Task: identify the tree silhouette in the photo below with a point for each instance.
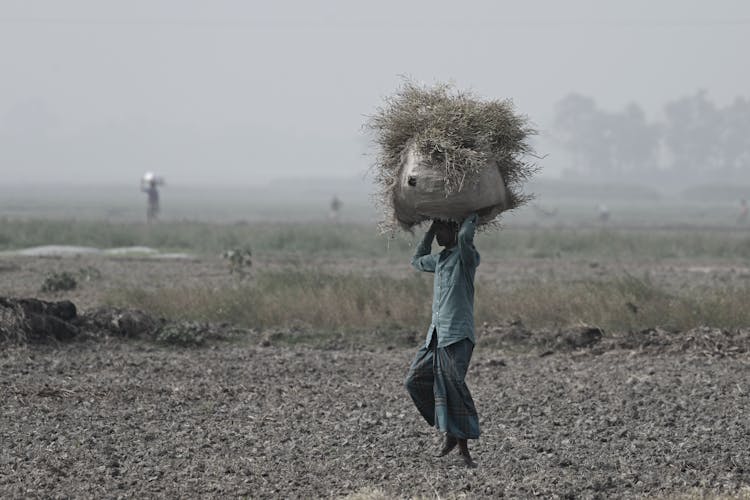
(691, 133)
(702, 140)
(582, 132)
(734, 136)
(616, 144)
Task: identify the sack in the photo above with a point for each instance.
(421, 194)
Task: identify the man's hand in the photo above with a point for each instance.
(473, 217)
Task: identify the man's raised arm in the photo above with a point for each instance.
(423, 260)
(466, 240)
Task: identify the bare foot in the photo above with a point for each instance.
(463, 450)
(450, 443)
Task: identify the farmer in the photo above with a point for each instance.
(742, 215)
(436, 377)
(603, 213)
(149, 186)
(335, 208)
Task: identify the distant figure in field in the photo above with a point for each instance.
(435, 380)
(544, 212)
(603, 213)
(149, 184)
(743, 215)
(335, 208)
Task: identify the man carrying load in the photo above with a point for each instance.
(447, 155)
(436, 377)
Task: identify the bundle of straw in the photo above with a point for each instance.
(458, 136)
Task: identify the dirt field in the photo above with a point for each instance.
(109, 419)
(648, 413)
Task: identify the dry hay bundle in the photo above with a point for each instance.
(444, 154)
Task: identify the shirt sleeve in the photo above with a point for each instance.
(423, 260)
(468, 254)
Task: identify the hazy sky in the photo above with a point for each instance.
(97, 91)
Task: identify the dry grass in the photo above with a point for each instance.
(620, 304)
(701, 494)
(457, 132)
(294, 298)
(326, 302)
(367, 494)
(379, 494)
(12, 324)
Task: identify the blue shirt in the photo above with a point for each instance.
(453, 289)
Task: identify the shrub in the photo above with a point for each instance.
(57, 282)
(183, 334)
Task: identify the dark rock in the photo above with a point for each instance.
(38, 320)
(43, 326)
(130, 323)
(64, 309)
(496, 362)
(584, 336)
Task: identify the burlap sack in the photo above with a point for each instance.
(421, 193)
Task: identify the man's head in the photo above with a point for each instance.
(446, 233)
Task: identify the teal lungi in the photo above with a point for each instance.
(436, 384)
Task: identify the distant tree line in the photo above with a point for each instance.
(696, 139)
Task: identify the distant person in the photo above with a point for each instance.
(435, 380)
(544, 212)
(743, 215)
(604, 214)
(335, 208)
(149, 184)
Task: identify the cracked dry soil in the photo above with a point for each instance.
(118, 418)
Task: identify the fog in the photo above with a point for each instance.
(245, 93)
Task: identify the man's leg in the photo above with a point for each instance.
(420, 380)
(454, 406)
